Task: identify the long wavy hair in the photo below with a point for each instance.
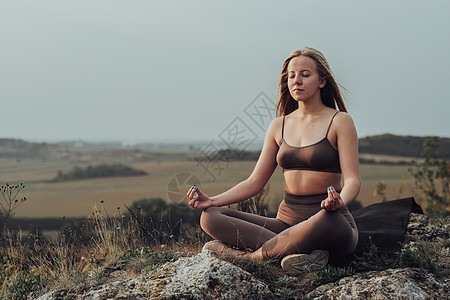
(330, 93)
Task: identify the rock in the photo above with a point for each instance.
(202, 276)
(426, 229)
(404, 283)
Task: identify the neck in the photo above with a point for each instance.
(311, 107)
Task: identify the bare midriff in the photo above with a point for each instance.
(304, 183)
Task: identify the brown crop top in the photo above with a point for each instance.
(320, 156)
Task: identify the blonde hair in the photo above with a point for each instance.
(330, 93)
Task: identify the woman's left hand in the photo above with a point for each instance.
(333, 202)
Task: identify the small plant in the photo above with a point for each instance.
(285, 283)
(371, 260)
(22, 285)
(332, 273)
(284, 293)
(380, 190)
(416, 257)
(9, 203)
(432, 177)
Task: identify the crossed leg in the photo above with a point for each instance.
(272, 238)
(240, 229)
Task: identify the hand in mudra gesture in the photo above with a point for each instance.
(333, 201)
(197, 199)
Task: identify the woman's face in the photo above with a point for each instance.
(304, 81)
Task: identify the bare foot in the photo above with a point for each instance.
(222, 249)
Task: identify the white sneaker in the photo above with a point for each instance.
(296, 264)
(205, 246)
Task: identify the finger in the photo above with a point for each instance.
(196, 191)
(333, 205)
(327, 204)
(191, 192)
(191, 188)
(334, 192)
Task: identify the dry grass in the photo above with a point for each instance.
(80, 258)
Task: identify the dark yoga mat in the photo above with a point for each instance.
(384, 224)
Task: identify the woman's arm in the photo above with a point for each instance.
(347, 144)
(262, 172)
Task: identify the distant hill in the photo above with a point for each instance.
(397, 145)
(14, 148)
(86, 153)
(386, 144)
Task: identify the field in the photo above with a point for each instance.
(166, 179)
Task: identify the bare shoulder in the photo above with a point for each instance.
(276, 124)
(274, 130)
(277, 121)
(343, 126)
(344, 119)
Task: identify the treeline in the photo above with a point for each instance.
(100, 171)
(409, 146)
(228, 155)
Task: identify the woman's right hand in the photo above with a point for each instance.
(197, 199)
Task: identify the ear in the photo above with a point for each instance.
(322, 83)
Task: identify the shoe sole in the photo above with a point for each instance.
(296, 264)
(205, 245)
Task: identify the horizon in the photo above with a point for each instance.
(255, 145)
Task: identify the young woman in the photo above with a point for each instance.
(316, 145)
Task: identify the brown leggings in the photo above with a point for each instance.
(301, 226)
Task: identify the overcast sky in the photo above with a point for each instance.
(149, 70)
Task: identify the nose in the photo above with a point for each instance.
(297, 79)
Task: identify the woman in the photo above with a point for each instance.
(315, 144)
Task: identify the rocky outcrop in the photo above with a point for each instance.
(388, 284)
(202, 276)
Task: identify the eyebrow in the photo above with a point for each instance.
(306, 70)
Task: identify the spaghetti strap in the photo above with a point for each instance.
(282, 128)
(329, 126)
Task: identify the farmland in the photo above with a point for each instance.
(165, 179)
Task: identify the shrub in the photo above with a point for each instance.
(78, 232)
(162, 223)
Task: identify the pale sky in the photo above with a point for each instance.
(150, 70)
